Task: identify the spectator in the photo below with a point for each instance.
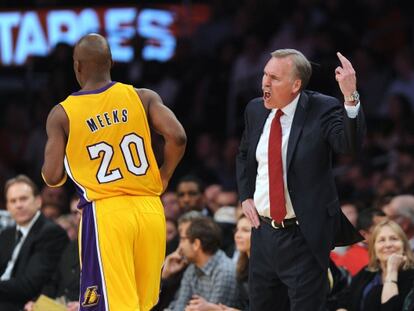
(51, 211)
(30, 250)
(173, 268)
(242, 241)
(64, 285)
(388, 277)
(190, 195)
(210, 276)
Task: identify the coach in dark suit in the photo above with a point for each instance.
(286, 183)
(29, 251)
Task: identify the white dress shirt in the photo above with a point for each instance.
(261, 194)
(25, 231)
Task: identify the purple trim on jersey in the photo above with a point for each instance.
(91, 278)
(82, 201)
(97, 91)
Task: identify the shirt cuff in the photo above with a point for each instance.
(352, 111)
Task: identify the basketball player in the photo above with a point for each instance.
(101, 137)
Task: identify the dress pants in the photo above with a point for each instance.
(283, 272)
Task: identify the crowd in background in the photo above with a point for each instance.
(208, 83)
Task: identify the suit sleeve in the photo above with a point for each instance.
(344, 134)
(241, 162)
(44, 256)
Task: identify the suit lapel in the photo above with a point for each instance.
(6, 247)
(297, 125)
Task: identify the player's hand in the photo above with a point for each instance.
(346, 76)
(173, 263)
(249, 210)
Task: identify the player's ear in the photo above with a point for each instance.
(76, 66)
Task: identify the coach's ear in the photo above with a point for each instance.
(297, 84)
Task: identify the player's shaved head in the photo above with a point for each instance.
(93, 49)
(92, 56)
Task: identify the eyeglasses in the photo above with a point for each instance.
(184, 238)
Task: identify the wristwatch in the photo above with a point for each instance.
(354, 97)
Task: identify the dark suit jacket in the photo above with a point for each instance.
(36, 263)
(65, 281)
(320, 127)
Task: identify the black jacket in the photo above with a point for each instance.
(35, 265)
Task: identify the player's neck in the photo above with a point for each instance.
(96, 84)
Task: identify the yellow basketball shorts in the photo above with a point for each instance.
(122, 249)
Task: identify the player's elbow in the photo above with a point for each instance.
(180, 139)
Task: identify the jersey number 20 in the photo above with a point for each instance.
(106, 151)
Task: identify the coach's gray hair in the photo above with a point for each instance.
(302, 67)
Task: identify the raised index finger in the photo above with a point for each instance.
(344, 61)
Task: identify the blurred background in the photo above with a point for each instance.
(205, 59)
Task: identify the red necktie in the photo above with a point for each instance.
(276, 187)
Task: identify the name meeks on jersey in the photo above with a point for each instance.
(107, 119)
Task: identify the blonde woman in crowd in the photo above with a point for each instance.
(389, 275)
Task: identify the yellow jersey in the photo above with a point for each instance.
(108, 152)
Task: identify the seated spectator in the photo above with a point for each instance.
(356, 256)
(190, 193)
(64, 285)
(242, 241)
(210, 274)
(174, 266)
(30, 250)
(51, 211)
(389, 276)
(70, 224)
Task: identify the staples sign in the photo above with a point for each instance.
(26, 33)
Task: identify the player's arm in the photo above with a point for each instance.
(164, 122)
(57, 131)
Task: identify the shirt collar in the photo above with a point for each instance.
(289, 109)
(211, 263)
(25, 229)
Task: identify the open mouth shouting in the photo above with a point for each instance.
(266, 95)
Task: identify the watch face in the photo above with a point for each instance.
(355, 96)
